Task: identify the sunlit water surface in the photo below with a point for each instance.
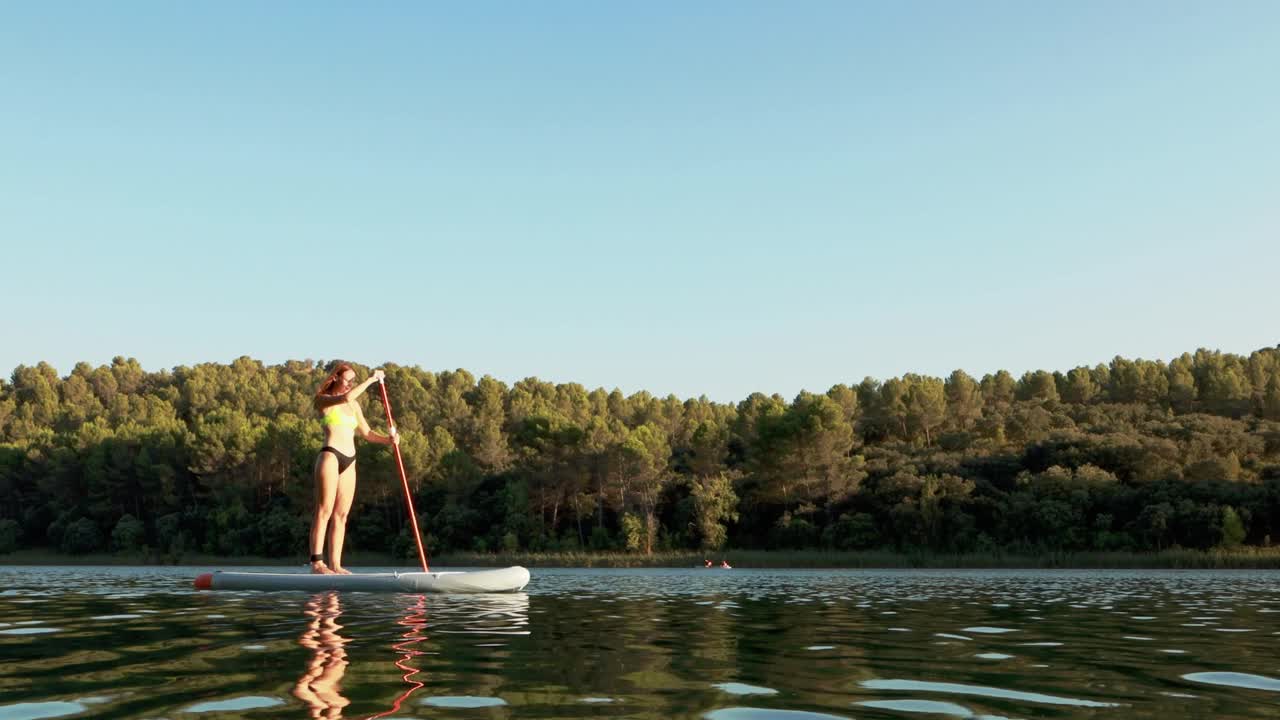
(724, 645)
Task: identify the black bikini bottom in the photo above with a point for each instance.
(344, 460)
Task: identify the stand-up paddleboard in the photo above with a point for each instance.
(481, 581)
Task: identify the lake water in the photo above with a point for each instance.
(724, 645)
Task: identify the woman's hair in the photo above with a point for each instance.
(335, 378)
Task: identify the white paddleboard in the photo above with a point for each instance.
(481, 581)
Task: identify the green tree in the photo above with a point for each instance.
(1221, 382)
(926, 405)
(487, 418)
(1182, 384)
(998, 389)
(1080, 388)
(715, 504)
(892, 406)
(1233, 531)
(847, 398)
(1271, 398)
(802, 455)
(1039, 386)
(964, 399)
(645, 457)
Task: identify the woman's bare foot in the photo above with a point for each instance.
(339, 570)
(319, 568)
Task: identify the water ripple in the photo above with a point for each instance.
(1235, 679)
(138, 643)
(746, 713)
(958, 689)
(734, 688)
(37, 710)
(932, 707)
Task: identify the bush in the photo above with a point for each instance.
(600, 539)
(167, 529)
(282, 533)
(404, 546)
(1233, 531)
(178, 546)
(128, 534)
(853, 531)
(955, 441)
(633, 532)
(81, 537)
(794, 533)
(9, 534)
(56, 530)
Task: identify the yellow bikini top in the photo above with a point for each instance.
(334, 416)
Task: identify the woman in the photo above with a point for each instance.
(335, 471)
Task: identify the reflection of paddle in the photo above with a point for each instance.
(404, 480)
(416, 621)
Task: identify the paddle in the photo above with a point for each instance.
(404, 480)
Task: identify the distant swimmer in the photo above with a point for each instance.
(724, 565)
(707, 563)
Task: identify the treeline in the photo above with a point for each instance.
(1130, 456)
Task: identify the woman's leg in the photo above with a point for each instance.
(326, 492)
(341, 507)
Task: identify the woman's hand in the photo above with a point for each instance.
(378, 375)
(395, 435)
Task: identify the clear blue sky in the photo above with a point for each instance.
(689, 198)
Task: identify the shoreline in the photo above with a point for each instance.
(1245, 558)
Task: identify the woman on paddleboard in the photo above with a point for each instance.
(335, 470)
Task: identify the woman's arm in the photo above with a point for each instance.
(367, 432)
(325, 401)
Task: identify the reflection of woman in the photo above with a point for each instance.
(319, 687)
(335, 467)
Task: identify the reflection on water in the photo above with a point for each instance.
(31, 711)
(463, 702)
(235, 705)
(739, 645)
(320, 687)
(931, 707)
(413, 624)
(1235, 679)
(746, 713)
(744, 689)
(957, 689)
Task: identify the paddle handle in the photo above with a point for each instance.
(404, 479)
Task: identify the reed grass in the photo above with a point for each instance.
(1241, 558)
(1179, 559)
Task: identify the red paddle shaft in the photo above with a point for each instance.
(404, 480)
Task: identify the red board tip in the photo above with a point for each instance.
(204, 582)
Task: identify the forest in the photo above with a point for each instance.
(1132, 455)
